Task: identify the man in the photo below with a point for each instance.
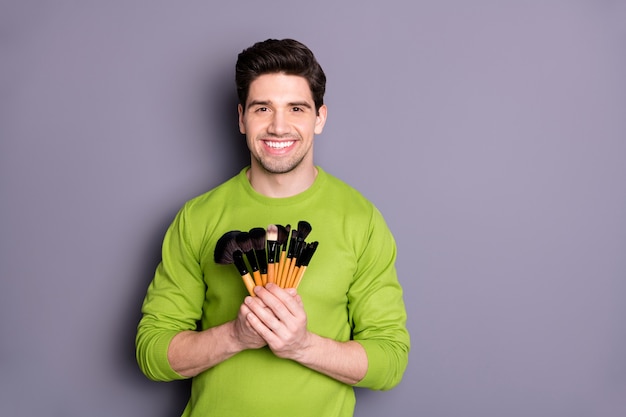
(281, 352)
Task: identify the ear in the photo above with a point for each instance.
(320, 121)
(242, 127)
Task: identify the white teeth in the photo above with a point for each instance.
(279, 145)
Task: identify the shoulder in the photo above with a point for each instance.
(338, 186)
(340, 191)
(220, 194)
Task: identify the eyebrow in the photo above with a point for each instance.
(290, 104)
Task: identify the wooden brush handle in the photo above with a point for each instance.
(270, 272)
(249, 283)
(292, 277)
(257, 277)
(289, 273)
(299, 276)
(285, 274)
(281, 267)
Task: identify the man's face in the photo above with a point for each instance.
(280, 121)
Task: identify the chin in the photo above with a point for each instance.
(279, 168)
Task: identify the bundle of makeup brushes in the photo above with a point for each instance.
(277, 254)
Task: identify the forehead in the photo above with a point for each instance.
(280, 88)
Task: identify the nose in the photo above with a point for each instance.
(278, 125)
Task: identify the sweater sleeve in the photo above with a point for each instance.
(173, 302)
(377, 310)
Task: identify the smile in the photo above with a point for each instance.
(279, 145)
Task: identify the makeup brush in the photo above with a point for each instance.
(283, 240)
(257, 237)
(295, 265)
(290, 250)
(281, 250)
(307, 254)
(272, 249)
(243, 271)
(225, 247)
(304, 228)
(245, 243)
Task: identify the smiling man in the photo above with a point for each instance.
(277, 351)
(280, 120)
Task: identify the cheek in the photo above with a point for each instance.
(252, 127)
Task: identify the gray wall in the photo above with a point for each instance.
(492, 135)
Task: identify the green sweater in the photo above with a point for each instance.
(350, 291)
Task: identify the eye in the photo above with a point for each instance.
(261, 109)
(297, 109)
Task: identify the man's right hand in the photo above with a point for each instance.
(244, 332)
(192, 352)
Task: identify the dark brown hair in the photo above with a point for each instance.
(279, 56)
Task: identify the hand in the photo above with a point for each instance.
(244, 333)
(278, 316)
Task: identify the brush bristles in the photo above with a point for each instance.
(272, 232)
(308, 253)
(225, 247)
(262, 249)
(283, 234)
(272, 245)
(244, 241)
(292, 243)
(304, 228)
(257, 236)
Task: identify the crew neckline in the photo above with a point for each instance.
(281, 201)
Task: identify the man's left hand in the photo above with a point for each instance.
(278, 315)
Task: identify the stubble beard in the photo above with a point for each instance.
(279, 167)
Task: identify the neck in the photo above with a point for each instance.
(281, 185)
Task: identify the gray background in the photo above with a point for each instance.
(491, 134)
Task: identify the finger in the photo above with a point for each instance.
(249, 300)
(283, 337)
(261, 328)
(283, 302)
(246, 333)
(263, 313)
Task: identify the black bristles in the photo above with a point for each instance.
(257, 236)
(292, 243)
(304, 228)
(307, 253)
(283, 235)
(244, 242)
(253, 252)
(225, 247)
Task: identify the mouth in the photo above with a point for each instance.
(279, 144)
